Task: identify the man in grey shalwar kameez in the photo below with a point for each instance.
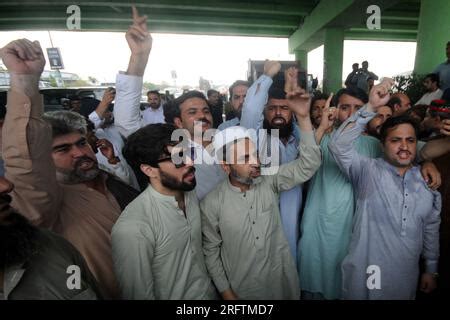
(397, 215)
(246, 251)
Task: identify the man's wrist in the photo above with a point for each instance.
(137, 64)
(304, 123)
(27, 84)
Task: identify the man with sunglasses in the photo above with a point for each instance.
(157, 241)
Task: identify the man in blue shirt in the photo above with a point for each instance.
(397, 215)
(444, 70)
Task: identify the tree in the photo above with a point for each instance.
(411, 85)
(150, 86)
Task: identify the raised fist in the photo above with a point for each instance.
(379, 95)
(23, 57)
(271, 68)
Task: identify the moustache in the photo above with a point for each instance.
(190, 170)
(83, 159)
(203, 120)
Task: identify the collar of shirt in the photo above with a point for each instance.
(159, 110)
(394, 170)
(162, 197)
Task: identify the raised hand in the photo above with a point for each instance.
(138, 38)
(328, 115)
(271, 68)
(290, 79)
(299, 102)
(23, 57)
(379, 95)
(107, 149)
(108, 96)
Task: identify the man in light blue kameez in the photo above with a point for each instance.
(327, 217)
(397, 215)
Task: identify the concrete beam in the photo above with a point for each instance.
(434, 31)
(325, 12)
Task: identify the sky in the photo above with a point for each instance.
(220, 59)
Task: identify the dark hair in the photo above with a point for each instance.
(276, 92)
(238, 83)
(153, 92)
(172, 108)
(210, 92)
(355, 64)
(320, 96)
(146, 146)
(434, 77)
(393, 101)
(352, 91)
(395, 121)
(419, 109)
(365, 61)
(65, 122)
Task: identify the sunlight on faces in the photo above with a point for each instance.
(317, 110)
(242, 163)
(194, 111)
(400, 145)
(347, 105)
(74, 159)
(374, 125)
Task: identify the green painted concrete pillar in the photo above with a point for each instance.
(433, 35)
(333, 55)
(302, 57)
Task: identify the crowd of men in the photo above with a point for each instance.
(293, 197)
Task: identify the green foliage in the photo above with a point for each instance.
(53, 82)
(150, 86)
(78, 83)
(410, 85)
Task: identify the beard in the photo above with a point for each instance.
(172, 183)
(247, 181)
(285, 129)
(18, 238)
(78, 175)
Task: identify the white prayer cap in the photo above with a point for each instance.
(230, 134)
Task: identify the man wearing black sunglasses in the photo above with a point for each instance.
(157, 242)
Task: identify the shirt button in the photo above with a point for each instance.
(257, 238)
(406, 206)
(253, 222)
(404, 219)
(406, 195)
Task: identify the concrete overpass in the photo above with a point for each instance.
(307, 23)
